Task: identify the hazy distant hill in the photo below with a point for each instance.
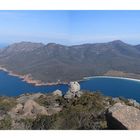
(53, 62)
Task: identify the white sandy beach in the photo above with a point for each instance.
(115, 77)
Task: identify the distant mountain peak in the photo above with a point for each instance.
(51, 44)
(23, 46)
(27, 43)
(55, 62)
(118, 42)
(54, 45)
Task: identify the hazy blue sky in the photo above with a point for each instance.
(69, 27)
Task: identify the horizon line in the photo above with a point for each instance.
(9, 44)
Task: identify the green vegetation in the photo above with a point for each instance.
(86, 112)
(27, 123)
(45, 101)
(5, 124)
(44, 122)
(7, 103)
(42, 101)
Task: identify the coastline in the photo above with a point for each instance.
(116, 77)
(29, 79)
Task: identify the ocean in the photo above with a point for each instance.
(14, 86)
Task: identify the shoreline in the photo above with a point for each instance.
(113, 77)
(29, 79)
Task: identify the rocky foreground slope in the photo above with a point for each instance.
(74, 110)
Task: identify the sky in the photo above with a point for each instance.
(69, 27)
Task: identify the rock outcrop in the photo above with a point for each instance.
(121, 116)
(57, 93)
(24, 97)
(31, 108)
(74, 87)
(89, 110)
(134, 103)
(18, 109)
(74, 90)
(28, 109)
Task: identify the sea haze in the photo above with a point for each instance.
(3, 45)
(13, 86)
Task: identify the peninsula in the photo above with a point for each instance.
(51, 64)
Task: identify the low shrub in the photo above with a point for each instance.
(7, 103)
(86, 112)
(6, 123)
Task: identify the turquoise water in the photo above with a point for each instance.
(13, 86)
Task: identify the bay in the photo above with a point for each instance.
(14, 86)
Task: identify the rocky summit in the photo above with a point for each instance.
(73, 110)
(74, 90)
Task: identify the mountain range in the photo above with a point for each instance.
(53, 63)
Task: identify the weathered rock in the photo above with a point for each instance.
(134, 102)
(116, 99)
(31, 108)
(24, 97)
(74, 90)
(79, 93)
(74, 87)
(18, 108)
(16, 111)
(69, 95)
(121, 116)
(57, 93)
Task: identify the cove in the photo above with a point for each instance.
(115, 87)
(14, 86)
